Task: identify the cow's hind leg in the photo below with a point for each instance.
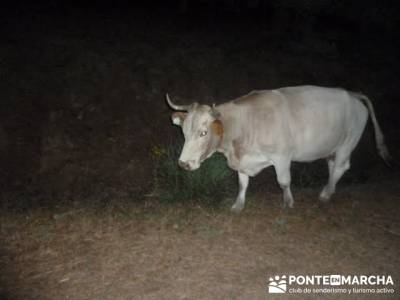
(241, 197)
(282, 168)
(341, 161)
(337, 167)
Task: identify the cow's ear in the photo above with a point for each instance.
(217, 127)
(178, 118)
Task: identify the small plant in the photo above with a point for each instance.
(210, 183)
(280, 223)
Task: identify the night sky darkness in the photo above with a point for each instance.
(82, 85)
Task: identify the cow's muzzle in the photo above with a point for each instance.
(189, 165)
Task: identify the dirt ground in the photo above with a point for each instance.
(153, 251)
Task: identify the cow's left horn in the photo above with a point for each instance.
(214, 112)
(176, 107)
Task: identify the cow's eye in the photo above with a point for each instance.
(203, 133)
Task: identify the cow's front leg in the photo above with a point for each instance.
(282, 168)
(241, 197)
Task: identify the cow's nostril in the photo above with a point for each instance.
(183, 165)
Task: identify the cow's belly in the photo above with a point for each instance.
(251, 164)
(316, 144)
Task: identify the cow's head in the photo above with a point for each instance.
(202, 129)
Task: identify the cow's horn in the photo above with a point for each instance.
(214, 112)
(176, 107)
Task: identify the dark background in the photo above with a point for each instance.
(82, 85)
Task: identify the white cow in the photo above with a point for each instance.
(275, 127)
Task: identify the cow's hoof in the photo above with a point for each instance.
(324, 199)
(287, 204)
(324, 196)
(237, 208)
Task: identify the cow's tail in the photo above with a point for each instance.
(379, 137)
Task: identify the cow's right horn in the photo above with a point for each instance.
(176, 107)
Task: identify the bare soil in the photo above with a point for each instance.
(154, 251)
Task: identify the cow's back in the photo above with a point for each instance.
(261, 117)
(320, 119)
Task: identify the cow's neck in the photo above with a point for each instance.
(231, 127)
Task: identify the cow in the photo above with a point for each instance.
(275, 127)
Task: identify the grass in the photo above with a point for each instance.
(209, 184)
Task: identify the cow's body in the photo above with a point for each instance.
(276, 127)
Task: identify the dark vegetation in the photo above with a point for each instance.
(82, 88)
(210, 184)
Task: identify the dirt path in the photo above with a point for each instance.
(127, 251)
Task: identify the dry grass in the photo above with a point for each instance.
(132, 251)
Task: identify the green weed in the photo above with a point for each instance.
(209, 184)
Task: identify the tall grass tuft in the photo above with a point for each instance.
(209, 184)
